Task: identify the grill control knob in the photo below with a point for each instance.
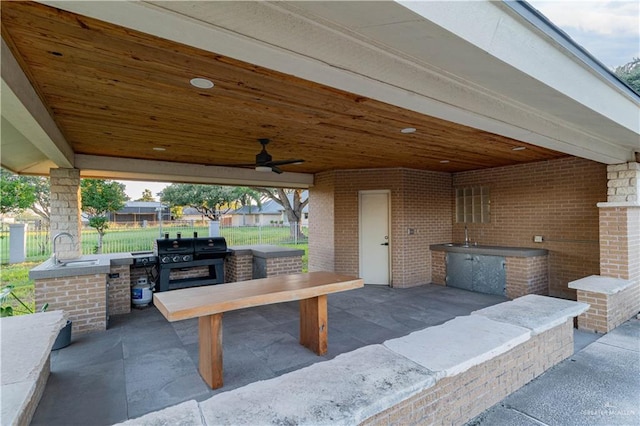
(186, 258)
(165, 259)
(176, 258)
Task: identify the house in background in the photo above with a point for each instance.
(269, 213)
(140, 212)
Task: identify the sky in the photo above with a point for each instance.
(608, 29)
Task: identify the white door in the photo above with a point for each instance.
(374, 237)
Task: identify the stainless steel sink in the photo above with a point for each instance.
(77, 263)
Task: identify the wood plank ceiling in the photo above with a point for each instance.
(121, 93)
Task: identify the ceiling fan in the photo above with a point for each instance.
(264, 161)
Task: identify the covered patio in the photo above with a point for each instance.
(469, 125)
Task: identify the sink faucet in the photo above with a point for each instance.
(55, 253)
(466, 236)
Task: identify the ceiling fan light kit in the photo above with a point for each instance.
(264, 161)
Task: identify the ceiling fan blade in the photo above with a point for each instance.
(234, 165)
(284, 162)
(274, 169)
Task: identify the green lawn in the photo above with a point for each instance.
(18, 276)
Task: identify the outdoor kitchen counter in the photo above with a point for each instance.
(83, 265)
(490, 250)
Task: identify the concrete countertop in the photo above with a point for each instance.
(267, 251)
(101, 265)
(490, 250)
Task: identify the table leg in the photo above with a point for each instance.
(210, 349)
(313, 324)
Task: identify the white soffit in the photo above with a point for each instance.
(92, 166)
(385, 51)
(29, 117)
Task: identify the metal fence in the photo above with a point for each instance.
(132, 237)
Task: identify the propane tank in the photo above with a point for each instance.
(141, 294)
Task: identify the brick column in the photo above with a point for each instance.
(620, 223)
(65, 211)
(619, 247)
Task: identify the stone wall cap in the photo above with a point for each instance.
(343, 391)
(26, 345)
(600, 284)
(240, 251)
(615, 204)
(269, 251)
(186, 413)
(457, 345)
(535, 312)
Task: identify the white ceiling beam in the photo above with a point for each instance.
(92, 166)
(23, 108)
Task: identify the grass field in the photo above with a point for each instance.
(18, 276)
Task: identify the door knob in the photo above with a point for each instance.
(384, 244)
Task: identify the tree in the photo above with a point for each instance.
(209, 200)
(19, 193)
(630, 74)
(16, 195)
(146, 196)
(100, 197)
(291, 201)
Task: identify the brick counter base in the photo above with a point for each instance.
(457, 399)
(612, 301)
(83, 298)
(525, 275)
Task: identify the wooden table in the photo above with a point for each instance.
(210, 302)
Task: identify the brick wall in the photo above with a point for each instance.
(439, 267)
(556, 199)
(457, 399)
(321, 223)
(420, 200)
(65, 211)
(119, 290)
(238, 267)
(284, 265)
(527, 275)
(84, 298)
(620, 242)
(607, 311)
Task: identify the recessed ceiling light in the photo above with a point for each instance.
(159, 148)
(408, 130)
(518, 148)
(201, 83)
(444, 161)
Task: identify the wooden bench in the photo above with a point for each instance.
(210, 302)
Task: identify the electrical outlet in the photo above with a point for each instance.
(537, 238)
(411, 231)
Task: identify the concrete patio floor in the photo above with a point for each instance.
(143, 363)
